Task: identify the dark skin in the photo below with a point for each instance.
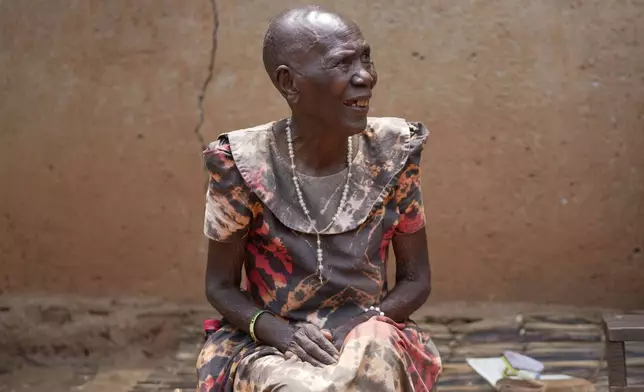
(328, 65)
(326, 69)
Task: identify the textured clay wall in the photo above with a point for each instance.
(533, 175)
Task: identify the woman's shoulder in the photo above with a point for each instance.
(395, 140)
(396, 128)
(222, 151)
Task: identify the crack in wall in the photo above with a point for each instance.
(204, 87)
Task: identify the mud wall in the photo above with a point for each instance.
(533, 175)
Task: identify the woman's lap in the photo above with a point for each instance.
(376, 356)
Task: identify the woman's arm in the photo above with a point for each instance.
(223, 278)
(229, 212)
(409, 241)
(413, 280)
(412, 284)
(413, 276)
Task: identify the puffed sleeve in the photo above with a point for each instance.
(228, 200)
(408, 188)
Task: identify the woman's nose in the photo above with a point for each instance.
(362, 78)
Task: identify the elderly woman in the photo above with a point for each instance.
(308, 207)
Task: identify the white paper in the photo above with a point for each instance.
(491, 369)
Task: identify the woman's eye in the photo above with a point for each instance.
(345, 62)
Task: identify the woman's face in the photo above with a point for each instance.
(335, 79)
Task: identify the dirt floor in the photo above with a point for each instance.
(67, 344)
(136, 345)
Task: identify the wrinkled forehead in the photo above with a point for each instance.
(328, 33)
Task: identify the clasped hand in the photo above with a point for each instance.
(319, 347)
(312, 345)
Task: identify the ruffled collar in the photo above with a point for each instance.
(384, 149)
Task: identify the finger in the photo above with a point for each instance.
(330, 348)
(386, 319)
(324, 351)
(310, 359)
(302, 353)
(313, 350)
(327, 334)
(323, 339)
(336, 341)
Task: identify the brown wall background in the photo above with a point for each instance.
(533, 175)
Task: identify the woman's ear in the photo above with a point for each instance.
(286, 83)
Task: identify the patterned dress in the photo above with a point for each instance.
(251, 193)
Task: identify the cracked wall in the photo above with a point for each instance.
(533, 175)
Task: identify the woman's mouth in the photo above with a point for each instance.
(360, 104)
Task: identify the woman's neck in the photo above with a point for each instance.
(318, 151)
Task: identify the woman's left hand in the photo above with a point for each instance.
(339, 334)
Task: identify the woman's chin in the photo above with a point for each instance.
(355, 126)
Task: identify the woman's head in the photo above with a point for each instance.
(321, 64)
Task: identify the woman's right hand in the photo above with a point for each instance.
(306, 342)
(311, 344)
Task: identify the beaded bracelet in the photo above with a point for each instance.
(376, 309)
(251, 328)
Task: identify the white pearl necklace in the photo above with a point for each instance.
(300, 197)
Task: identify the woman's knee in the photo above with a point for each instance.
(376, 328)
